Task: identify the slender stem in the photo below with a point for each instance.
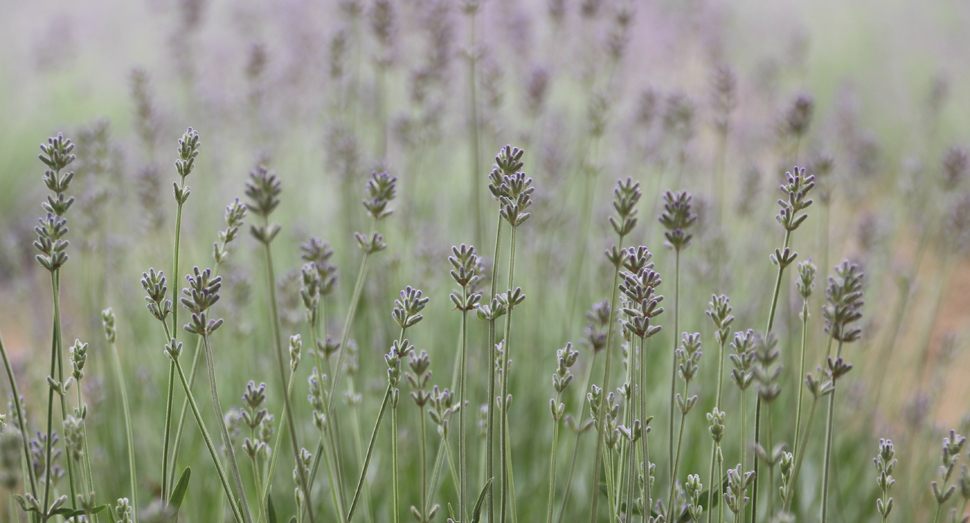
(257, 482)
(370, 451)
(21, 422)
(171, 368)
(345, 335)
(744, 444)
(581, 415)
(715, 480)
(287, 410)
(508, 462)
(829, 429)
(680, 442)
(490, 429)
(673, 371)
(435, 474)
(397, 497)
(58, 368)
(803, 443)
(226, 440)
(423, 452)
(463, 386)
(629, 484)
(451, 466)
(183, 416)
(209, 445)
(552, 465)
(185, 403)
(757, 411)
(280, 430)
(642, 390)
(601, 416)
(506, 356)
(328, 428)
(801, 391)
(129, 432)
(646, 477)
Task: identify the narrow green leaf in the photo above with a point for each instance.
(477, 512)
(270, 510)
(178, 494)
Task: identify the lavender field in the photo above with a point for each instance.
(485, 260)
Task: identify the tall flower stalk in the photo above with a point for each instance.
(188, 150)
(599, 318)
(406, 313)
(418, 379)
(796, 190)
(805, 285)
(200, 295)
(56, 155)
(566, 358)
(515, 197)
(381, 189)
(844, 296)
(688, 356)
(626, 196)
(885, 462)
(507, 162)
(677, 218)
(263, 191)
(464, 262)
(720, 314)
(235, 214)
(643, 306)
(108, 321)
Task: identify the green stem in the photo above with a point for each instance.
(801, 391)
(85, 465)
(183, 416)
(435, 474)
(257, 482)
(673, 371)
(552, 465)
(506, 355)
(185, 403)
(370, 451)
(680, 442)
(643, 417)
(423, 452)
(56, 366)
(209, 445)
(451, 466)
(226, 441)
(601, 417)
(829, 429)
(280, 430)
(715, 480)
(757, 410)
(397, 496)
(581, 415)
(512, 509)
(287, 409)
(462, 395)
(171, 368)
(490, 432)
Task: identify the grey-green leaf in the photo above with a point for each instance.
(181, 487)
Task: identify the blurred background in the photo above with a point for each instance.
(717, 98)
